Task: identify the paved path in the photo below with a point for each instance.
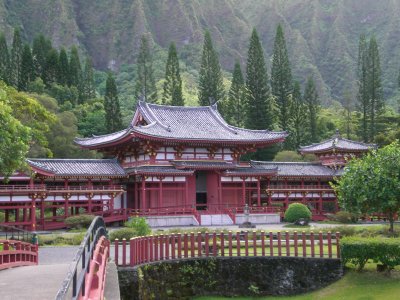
(37, 282)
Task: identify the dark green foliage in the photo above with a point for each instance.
(139, 224)
(79, 221)
(172, 92)
(259, 103)
(362, 95)
(123, 233)
(15, 70)
(344, 217)
(63, 67)
(298, 125)
(211, 88)
(145, 85)
(51, 68)
(75, 73)
(89, 91)
(234, 107)
(358, 251)
(27, 68)
(111, 106)
(41, 46)
(297, 211)
(4, 58)
(281, 79)
(313, 105)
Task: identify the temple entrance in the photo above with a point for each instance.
(201, 190)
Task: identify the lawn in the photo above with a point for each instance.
(366, 285)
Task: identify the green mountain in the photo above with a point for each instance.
(322, 36)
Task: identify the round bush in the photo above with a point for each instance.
(123, 233)
(79, 221)
(297, 211)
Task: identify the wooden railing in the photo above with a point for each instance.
(44, 188)
(14, 253)
(299, 188)
(141, 250)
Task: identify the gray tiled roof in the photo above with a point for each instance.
(337, 142)
(79, 167)
(165, 170)
(202, 123)
(250, 171)
(297, 168)
(203, 164)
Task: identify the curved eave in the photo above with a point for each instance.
(160, 173)
(331, 149)
(121, 139)
(41, 171)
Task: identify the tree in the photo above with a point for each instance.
(298, 124)
(362, 95)
(145, 85)
(234, 109)
(111, 106)
(259, 113)
(89, 90)
(51, 68)
(63, 67)
(16, 60)
(211, 87)
(374, 86)
(281, 79)
(313, 105)
(75, 69)
(4, 58)
(372, 184)
(27, 68)
(172, 92)
(41, 46)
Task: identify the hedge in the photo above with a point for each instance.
(79, 221)
(297, 211)
(358, 250)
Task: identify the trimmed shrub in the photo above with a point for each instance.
(297, 211)
(139, 224)
(123, 233)
(79, 221)
(358, 250)
(344, 217)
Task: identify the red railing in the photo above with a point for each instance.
(42, 187)
(162, 211)
(14, 253)
(141, 250)
(299, 187)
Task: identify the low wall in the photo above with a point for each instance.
(228, 276)
(259, 218)
(169, 221)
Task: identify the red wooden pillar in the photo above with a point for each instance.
(269, 191)
(160, 204)
(33, 214)
(258, 192)
(42, 211)
(243, 191)
(220, 202)
(143, 206)
(187, 191)
(136, 195)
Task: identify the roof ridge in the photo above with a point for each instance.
(100, 136)
(287, 162)
(153, 115)
(73, 159)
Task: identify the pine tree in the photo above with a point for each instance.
(374, 86)
(234, 108)
(75, 69)
(298, 125)
(51, 68)
(27, 68)
(89, 90)
(16, 60)
(259, 103)
(362, 96)
(145, 85)
(312, 102)
(4, 58)
(281, 78)
(172, 93)
(63, 67)
(111, 106)
(211, 88)
(40, 48)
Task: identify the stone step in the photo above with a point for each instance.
(216, 219)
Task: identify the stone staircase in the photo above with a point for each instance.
(215, 220)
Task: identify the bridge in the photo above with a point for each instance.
(92, 272)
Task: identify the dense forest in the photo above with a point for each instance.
(53, 92)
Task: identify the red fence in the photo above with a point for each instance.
(140, 250)
(15, 253)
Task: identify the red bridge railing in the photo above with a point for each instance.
(141, 250)
(14, 253)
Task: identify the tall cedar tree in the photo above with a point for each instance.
(4, 58)
(51, 68)
(374, 86)
(89, 90)
(362, 96)
(211, 88)
(27, 68)
(111, 106)
(75, 73)
(298, 126)
(234, 108)
(172, 93)
(281, 79)
(312, 102)
(259, 108)
(16, 60)
(145, 83)
(40, 48)
(63, 67)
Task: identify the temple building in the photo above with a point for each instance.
(176, 166)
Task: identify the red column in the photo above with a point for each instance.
(143, 206)
(136, 193)
(160, 204)
(258, 192)
(220, 202)
(33, 214)
(187, 191)
(243, 191)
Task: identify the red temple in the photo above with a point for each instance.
(176, 166)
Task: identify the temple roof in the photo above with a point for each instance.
(251, 171)
(77, 167)
(157, 170)
(203, 164)
(202, 124)
(297, 169)
(337, 143)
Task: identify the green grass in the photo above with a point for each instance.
(366, 285)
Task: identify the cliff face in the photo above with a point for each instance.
(322, 36)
